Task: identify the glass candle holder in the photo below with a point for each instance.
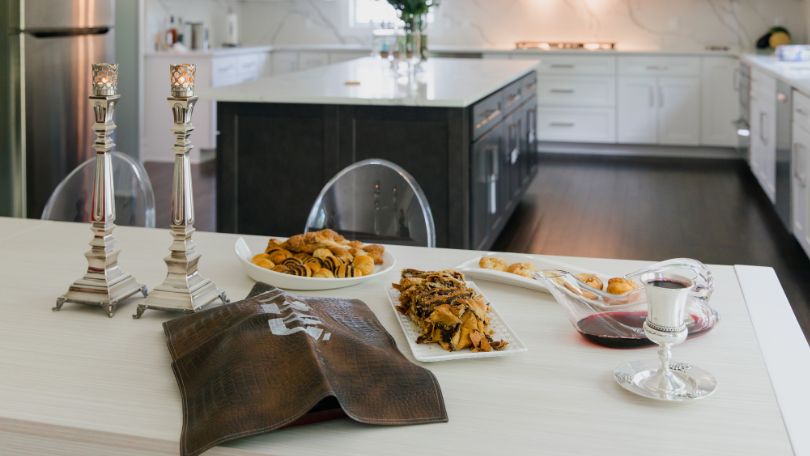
(182, 77)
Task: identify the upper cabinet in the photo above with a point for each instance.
(720, 103)
(659, 100)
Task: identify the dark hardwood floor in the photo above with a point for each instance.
(204, 186)
(618, 207)
(654, 209)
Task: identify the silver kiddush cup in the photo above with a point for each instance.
(667, 298)
(104, 284)
(184, 289)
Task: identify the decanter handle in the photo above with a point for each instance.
(694, 269)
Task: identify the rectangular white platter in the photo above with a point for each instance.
(433, 352)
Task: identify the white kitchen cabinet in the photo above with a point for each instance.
(800, 195)
(678, 111)
(720, 103)
(214, 69)
(637, 110)
(762, 158)
(284, 61)
(659, 100)
(582, 125)
(576, 98)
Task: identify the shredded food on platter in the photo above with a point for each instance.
(447, 311)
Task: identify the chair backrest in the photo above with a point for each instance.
(71, 201)
(374, 200)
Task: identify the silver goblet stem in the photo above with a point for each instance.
(184, 289)
(104, 284)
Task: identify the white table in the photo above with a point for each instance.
(78, 383)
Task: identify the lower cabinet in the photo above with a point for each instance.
(762, 150)
(637, 110)
(679, 111)
(486, 186)
(659, 110)
(800, 194)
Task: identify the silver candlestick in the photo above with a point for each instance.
(104, 284)
(667, 299)
(184, 289)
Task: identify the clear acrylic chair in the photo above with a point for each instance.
(374, 200)
(71, 201)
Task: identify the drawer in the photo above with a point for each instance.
(579, 64)
(517, 92)
(801, 110)
(584, 91)
(486, 114)
(226, 71)
(576, 124)
(659, 66)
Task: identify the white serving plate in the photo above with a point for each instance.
(433, 352)
(470, 268)
(291, 282)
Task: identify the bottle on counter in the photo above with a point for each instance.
(231, 29)
(171, 33)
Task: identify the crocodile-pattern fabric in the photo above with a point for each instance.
(264, 362)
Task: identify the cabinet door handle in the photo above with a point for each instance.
(762, 117)
(561, 90)
(801, 111)
(511, 98)
(561, 65)
(561, 124)
(660, 97)
(493, 182)
(736, 79)
(656, 67)
(489, 115)
(797, 167)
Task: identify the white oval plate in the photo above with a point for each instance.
(434, 352)
(291, 282)
(471, 269)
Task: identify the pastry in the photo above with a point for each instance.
(488, 262)
(620, 286)
(323, 254)
(263, 260)
(364, 264)
(592, 280)
(522, 269)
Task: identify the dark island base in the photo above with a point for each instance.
(273, 160)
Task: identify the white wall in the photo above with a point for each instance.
(210, 12)
(634, 24)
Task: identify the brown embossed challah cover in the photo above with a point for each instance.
(275, 359)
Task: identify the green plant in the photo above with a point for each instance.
(412, 12)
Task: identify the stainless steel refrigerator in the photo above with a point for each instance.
(58, 40)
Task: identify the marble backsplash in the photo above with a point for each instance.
(633, 24)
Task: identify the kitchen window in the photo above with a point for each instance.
(368, 13)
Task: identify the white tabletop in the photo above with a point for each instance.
(78, 383)
(796, 74)
(371, 81)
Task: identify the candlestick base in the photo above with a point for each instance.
(189, 294)
(102, 290)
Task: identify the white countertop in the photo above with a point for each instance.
(211, 52)
(797, 74)
(76, 382)
(371, 81)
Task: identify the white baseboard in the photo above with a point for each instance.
(639, 150)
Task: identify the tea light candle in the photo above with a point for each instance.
(105, 79)
(181, 77)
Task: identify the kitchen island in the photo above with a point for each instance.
(464, 128)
